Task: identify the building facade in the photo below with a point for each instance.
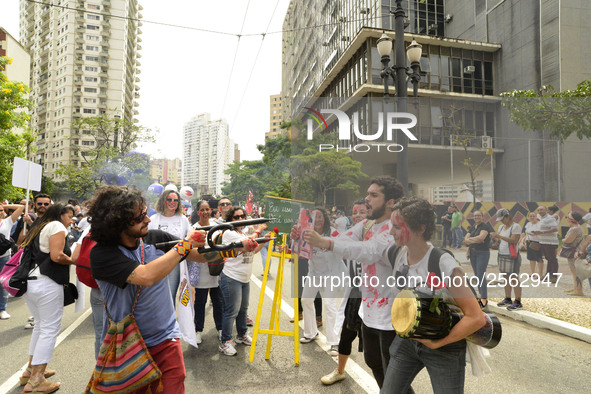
(18, 70)
(207, 152)
(275, 116)
(471, 52)
(165, 171)
(83, 63)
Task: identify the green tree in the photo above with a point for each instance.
(110, 160)
(561, 113)
(13, 115)
(314, 175)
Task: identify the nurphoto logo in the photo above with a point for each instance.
(394, 122)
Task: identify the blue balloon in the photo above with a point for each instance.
(156, 188)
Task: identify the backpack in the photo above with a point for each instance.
(9, 270)
(83, 263)
(31, 254)
(5, 244)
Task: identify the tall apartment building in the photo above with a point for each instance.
(84, 62)
(207, 152)
(275, 116)
(18, 70)
(165, 171)
(471, 52)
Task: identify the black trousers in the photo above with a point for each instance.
(376, 350)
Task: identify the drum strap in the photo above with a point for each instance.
(433, 266)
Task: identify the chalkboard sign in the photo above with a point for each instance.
(286, 212)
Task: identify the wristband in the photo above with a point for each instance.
(228, 253)
(183, 247)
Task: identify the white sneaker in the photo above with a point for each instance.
(246, 339)
(31, 318)
(334, 350)
(333, 377)
(198, 338)
(30, 325)
(4, 315)
(305, 339)
(227, 348)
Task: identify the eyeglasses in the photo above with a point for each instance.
(43, 203)
(239, 217)
(140, 217)
(224, 204)
(172, 199)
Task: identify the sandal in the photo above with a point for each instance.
(24, 380)
(484, 305)
(43, 387)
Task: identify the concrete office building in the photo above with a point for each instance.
(275, 116)
(472, 52)
(83, 63)
(18, 70)
(207, 152)
(165, 170)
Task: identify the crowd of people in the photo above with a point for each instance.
(387, 235)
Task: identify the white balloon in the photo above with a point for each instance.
(170, 186)
(187, 193)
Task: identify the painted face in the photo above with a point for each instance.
(319, 222)
(376, 201)
(204, 210)
(225, 205)
(67, 218)
(359, 213)
(172, 202)
(400, 231)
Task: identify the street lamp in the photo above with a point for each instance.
(400, 73)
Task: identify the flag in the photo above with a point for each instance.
(249, 203)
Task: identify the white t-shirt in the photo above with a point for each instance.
(238, 268)
(49, 230)
(530, 228)
(5, 227)
(548, 223)
(206, 281)
(447, 264)
(177, 225)
(83, 223)
(507, 232)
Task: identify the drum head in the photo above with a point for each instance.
(404, 312)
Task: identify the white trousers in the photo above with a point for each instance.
(45, 299)
(330, 314)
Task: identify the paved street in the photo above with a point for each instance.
(527, 360)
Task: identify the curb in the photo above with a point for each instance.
(540, 321)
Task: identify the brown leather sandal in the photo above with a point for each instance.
(43, 387)
(24, 380)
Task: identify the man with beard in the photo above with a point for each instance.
(376, 331)
(42, 202)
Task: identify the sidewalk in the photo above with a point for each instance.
(544, 306)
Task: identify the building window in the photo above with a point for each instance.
(90, 90)
(92, 27)
(89, 111)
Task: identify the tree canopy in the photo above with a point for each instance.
(111, 160)
(561, 113)
(13, 116)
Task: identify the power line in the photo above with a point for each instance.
(234, 61)
(254, 64)
(365, 18)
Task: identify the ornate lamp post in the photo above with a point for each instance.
(400, 73)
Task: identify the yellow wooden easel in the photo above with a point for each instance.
(276, 309)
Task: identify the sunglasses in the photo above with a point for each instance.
(224, 204)
(172, 199)
(239, 217)
(140, 217)
(43, 203)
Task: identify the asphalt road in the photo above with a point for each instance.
(528, 360)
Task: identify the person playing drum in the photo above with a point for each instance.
(413, 223)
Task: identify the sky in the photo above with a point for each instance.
(185, 72)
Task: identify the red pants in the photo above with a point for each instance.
(168, 355)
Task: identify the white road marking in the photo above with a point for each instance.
(358, 374)
(13, 380)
